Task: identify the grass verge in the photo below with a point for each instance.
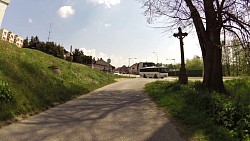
(28, 83)
(206, 116)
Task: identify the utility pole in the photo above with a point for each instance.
(156, 58)
(70, 50)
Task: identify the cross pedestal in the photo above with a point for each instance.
(183, 78)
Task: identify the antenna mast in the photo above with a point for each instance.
(50, 26)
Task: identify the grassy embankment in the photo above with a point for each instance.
(206, 116)
(28, 85)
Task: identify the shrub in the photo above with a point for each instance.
(6, 102)
(5, 93)
(230, 114)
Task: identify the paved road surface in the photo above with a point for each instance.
(118, 112)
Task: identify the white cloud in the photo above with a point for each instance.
(84, 29)
(108, 3)
(66, 11)
(107, 25)
(30, 20)
(116, 61)
(90, 52)
(102, 55)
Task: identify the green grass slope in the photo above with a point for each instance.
(35, 87)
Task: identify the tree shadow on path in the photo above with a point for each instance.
(100, 115)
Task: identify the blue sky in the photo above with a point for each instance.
(115, 29)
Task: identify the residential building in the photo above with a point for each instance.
(134, 69)
(3, 6)
(8, 36)
(102, 65)
(123, 70)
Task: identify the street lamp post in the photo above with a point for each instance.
(129, 65)
(156, 57)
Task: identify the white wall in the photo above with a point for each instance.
(3, 6)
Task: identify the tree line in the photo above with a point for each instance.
(235, 59)
(79, 57)
(47, 47)
(57, 50)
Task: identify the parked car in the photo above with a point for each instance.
(116, 73)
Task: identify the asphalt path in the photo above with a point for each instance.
(117, 112)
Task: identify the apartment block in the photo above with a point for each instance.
(8, 36)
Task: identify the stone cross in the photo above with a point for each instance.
(183, 79)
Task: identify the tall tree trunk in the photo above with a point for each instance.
(213, 76)
(209, 40)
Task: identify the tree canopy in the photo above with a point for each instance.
(209, 18)
(47, 47)
(79, 57)
(233, 15)
(194, 63)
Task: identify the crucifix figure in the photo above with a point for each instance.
(183, 79)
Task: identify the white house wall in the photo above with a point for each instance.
(3, 6)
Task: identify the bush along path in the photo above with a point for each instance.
(207, 116)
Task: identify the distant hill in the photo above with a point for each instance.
(35, 86)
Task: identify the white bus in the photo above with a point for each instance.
(143, 65)
(154, 72)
